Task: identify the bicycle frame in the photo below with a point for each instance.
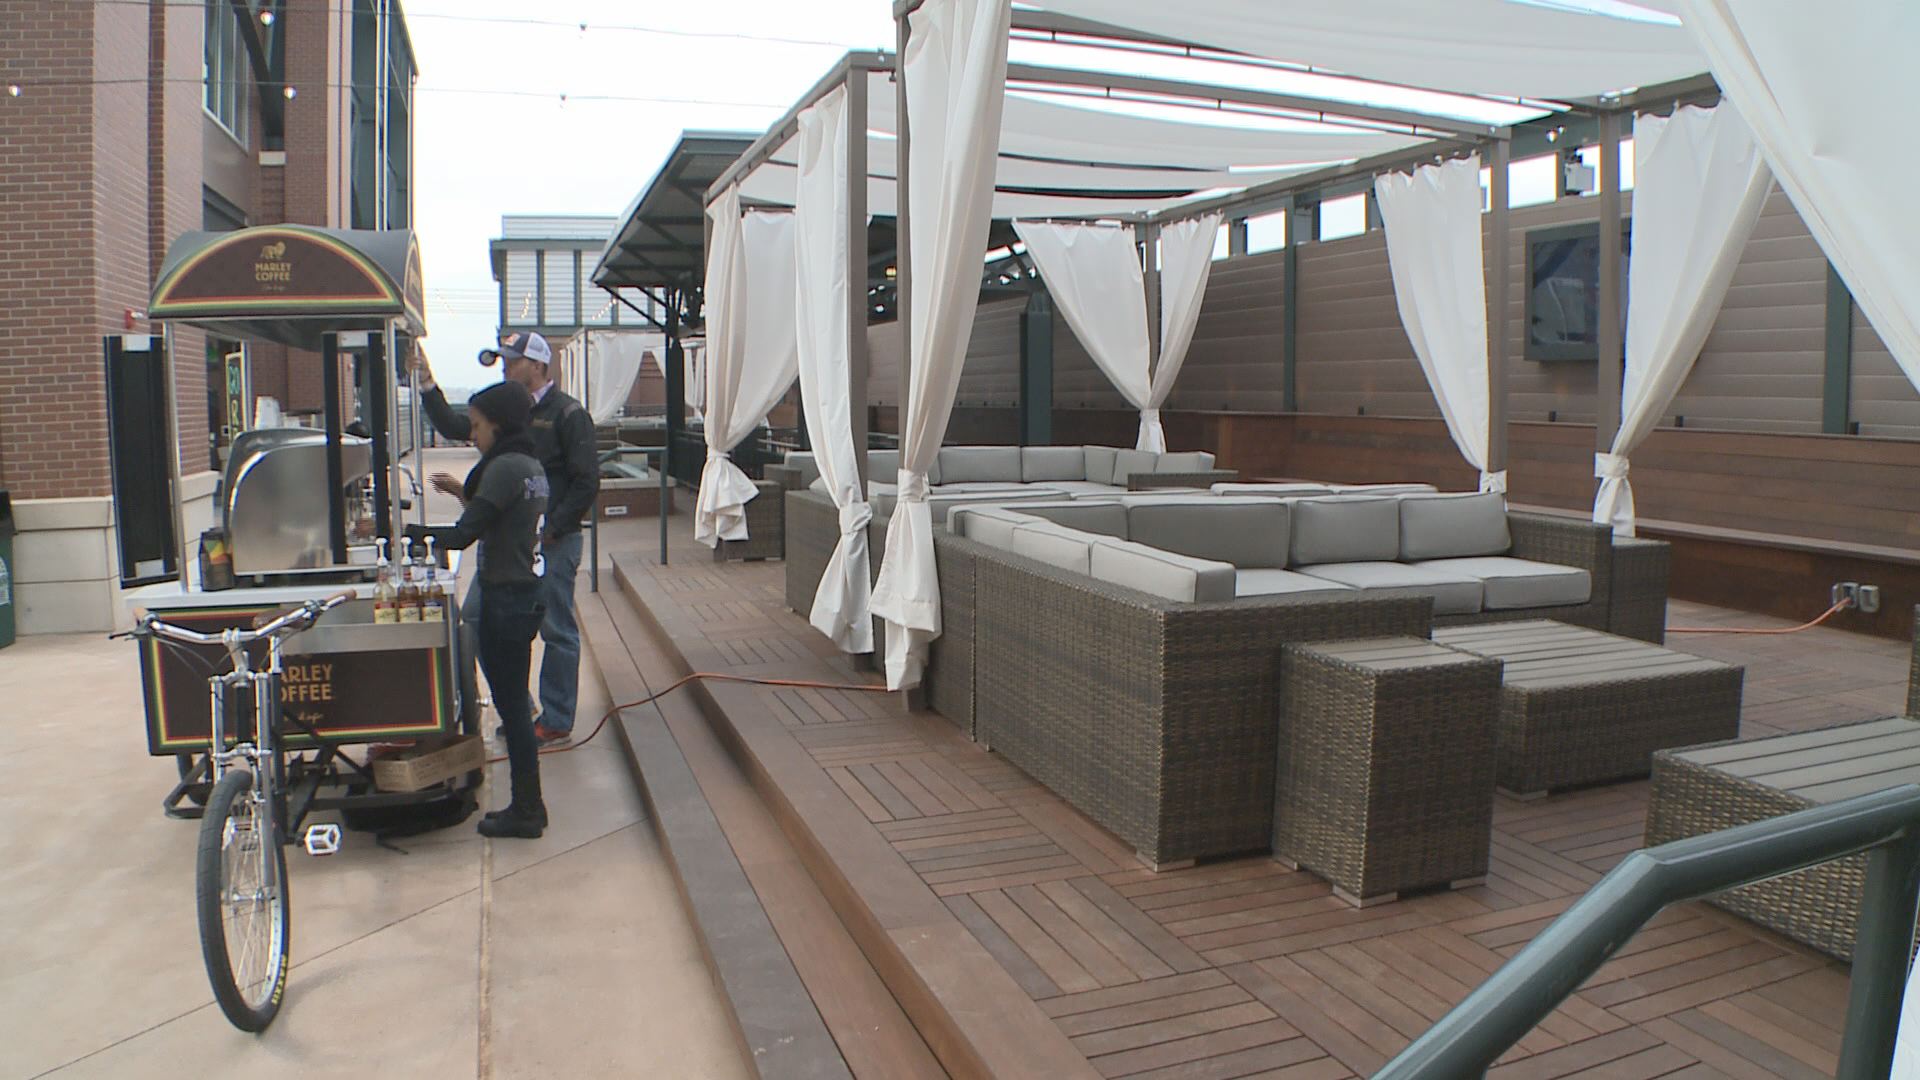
(263, 751)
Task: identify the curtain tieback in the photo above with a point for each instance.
(1610, 466)
(855, 516)
(1150, 416)
(721, 455)
(913, 486)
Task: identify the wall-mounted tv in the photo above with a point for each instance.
(1563, 291)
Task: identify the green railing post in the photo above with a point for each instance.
(1883, 942)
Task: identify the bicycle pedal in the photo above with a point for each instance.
(323, 839)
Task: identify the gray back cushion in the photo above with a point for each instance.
(975, 464)
(1384, 489)
(1273, 490)
(1128, 462)
(1100, 464)
(1162, 573)
(1345, 529)
(989, 525)
(1105, 518)
(1187, 461)
(803, 460)
(1055, 545)
(1249, 533)
(1052, 463)
(884, 465)
(1453, 526)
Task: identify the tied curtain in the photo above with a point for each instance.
(1432, 220)
(752, 352)
(840, 603)
(1094, 273)
(955, 66)
(1699, 185)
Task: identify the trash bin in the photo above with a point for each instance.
(6, 570)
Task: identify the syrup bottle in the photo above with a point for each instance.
(385, 596)
(409, 588)
(433, 597)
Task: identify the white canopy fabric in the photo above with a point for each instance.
(955, 65)
(1432, 220)
(1094, 273)
(1503, 47)
(600, 367)
(840, 603)
(1814, 83)
(1699, 185)
(750, 274)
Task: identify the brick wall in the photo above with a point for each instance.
(174, 195)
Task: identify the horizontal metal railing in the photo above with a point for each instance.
(1467, 1041)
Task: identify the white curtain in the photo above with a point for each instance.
(1094, 273)
(750, 328)
(602, 365)
(840, 603)
(1432, 219)
(694, 353)
(956, 71)
(1817, 84)
(1699, 184)
(1186, 261)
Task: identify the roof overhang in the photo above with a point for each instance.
(660, 242)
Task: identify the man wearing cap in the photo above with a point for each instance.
(562, 431)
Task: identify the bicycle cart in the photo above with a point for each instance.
(302, 678)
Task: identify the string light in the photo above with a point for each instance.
(13, 89)
(266, 18)
(290, 93)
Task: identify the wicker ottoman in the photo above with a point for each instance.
(1385, 780)
(766, 527)
(1703, 789)
(1579, 706)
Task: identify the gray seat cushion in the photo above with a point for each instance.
(1453, 526)
(971, 486)
(1079, 489)
(1453, 593)
(1384, 489)
(976, 464)
(1244, 532)
(1055, 545)
(1128, 462)
(1047, 463)
(1345, 530)
(1099, 464)
(1185, 461)
(1161, 573)
(989, 525)
(1287, 583)
(1511, 584)
(1105, 518)
(1276, 490)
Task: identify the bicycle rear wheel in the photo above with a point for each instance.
(241, 892)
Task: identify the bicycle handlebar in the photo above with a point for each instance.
(297, 616)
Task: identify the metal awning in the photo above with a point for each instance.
(661, 241)
(292, 284)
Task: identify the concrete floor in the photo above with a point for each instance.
(462, 957)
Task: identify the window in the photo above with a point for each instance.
(1343, 217)
(1590, 155)
(1267, 232)
(1563, 290)
(1534, 180)
(1221, 244)
(223, 71)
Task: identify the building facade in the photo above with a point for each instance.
(126, 125)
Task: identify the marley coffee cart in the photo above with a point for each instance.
(301, 511)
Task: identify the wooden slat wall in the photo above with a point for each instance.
(1353, 352)
(1761, 368)
(1078, 383)
(992, 372)
(1237, 347)
(1884, 401)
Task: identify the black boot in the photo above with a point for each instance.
(526, 816)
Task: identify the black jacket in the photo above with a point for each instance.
(562, 433)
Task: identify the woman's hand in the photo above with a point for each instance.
(448, 484)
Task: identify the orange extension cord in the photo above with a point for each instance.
(805, 684)
(1824, 616)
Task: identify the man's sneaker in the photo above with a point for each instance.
(549, 738)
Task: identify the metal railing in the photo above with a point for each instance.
(1509, 1004)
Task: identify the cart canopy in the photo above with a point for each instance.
(292, 284)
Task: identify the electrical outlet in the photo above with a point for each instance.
(1868, 597)
(1846, 592)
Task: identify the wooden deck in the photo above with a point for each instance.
(1023, 940)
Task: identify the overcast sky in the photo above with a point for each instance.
(479, 156)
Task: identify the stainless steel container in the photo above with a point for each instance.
(275, 497)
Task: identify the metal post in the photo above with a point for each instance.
(676, 408)
(1883, 940)
(1836, 395)
(168, 372)
(1236, 237)
(1500, 273)
(1036, 369)
(1611, 333)
(858, 362)
(586, 383)
(1290, 313)
(903, 250)
(378, 421)
(1150, 266)
(336, 469)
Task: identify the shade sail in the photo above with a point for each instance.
(292, 284)
(1517, 48)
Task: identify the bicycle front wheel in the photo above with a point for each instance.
(241, 889)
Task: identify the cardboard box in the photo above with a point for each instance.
(429, 763)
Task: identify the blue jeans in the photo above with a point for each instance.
(509, 616)
(560, 671)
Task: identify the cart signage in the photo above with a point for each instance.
(275, 270)
(356, 696)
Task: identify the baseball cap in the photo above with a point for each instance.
(520, 346)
